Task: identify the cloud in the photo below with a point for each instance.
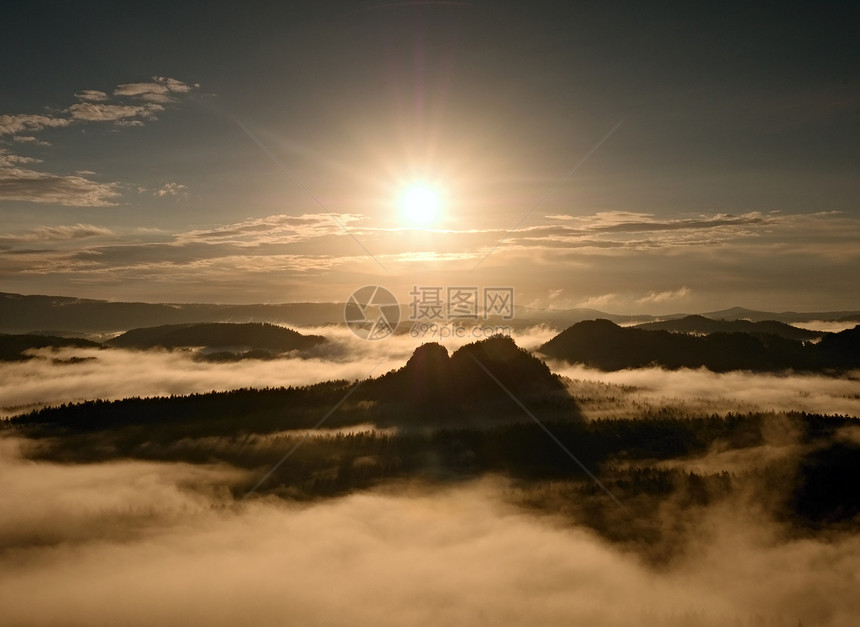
(148, 543)
(276, 229)
(622, 229)
(138, 103)
(9, 160)
(649, 224)
(160, 90)
(600, 301)
(119, 114)
(58, 233)
(92, 95)
(798, 260)
(614, 300)
(29, 185)
(176, 190)
(27, 139)
(29, 123)
(664, 297)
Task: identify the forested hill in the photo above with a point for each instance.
(604, 345)
(704, 326)
(433, 389)
(432, 375)
(259, 336)
(15, 347)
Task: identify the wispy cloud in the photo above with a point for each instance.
(132, 104)
(276, 229)
(641, 230)
(172, 189)
(160, 90)
(91, 95)
(649, 224)
(9, 160)
(612, 301)
(25, 184)
(29, 123)
(28, 139)
(600, 301)
(58, 233)
(664, 297)
(608, 260)
(123, 115)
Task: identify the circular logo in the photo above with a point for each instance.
(372, 312)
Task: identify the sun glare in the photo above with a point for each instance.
(419, 204)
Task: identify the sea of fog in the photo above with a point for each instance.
(145, 543)
(52, 377)
(142, 543)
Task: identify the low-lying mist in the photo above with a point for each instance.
(66, 375)
(153, 543)
(629, 393)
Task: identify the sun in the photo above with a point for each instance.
(420, 204)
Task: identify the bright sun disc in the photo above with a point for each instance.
(420, 204)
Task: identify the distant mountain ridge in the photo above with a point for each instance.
(219, 341)
(604, 345)
(14, 347)
(218, 335)
(740, 313)
(27, 313)
(20, 313)
(705, 326)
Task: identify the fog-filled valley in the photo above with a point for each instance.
(314, 474)
(142, 543)
(58, 375)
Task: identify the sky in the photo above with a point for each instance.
(628, 157)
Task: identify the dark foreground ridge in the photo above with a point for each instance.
(460, 384)
(607, 346)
